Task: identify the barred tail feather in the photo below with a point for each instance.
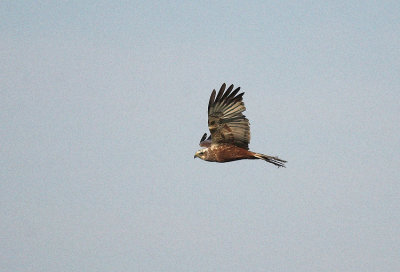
(274, 160)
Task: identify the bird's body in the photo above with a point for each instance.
(230, 130)
(226, 153)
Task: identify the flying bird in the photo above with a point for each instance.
(230, 130)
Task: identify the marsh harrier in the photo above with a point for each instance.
(230, 130)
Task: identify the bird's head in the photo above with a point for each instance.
(202, 154)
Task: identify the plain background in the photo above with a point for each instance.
(103, 105)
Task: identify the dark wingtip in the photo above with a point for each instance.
(221, 91)
(227, 92)
(232, 95)
(239, 97)
(212, 97)
(225, 97)
(204, 137)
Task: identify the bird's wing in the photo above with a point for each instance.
(203, 137)
(226, 121)
(205, 142)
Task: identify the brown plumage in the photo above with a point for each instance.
(230, 130)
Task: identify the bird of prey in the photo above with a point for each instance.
(230, 130)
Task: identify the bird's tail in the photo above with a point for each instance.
(274, 160)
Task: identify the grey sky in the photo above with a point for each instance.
(103, 105)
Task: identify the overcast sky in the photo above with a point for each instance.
(103, 105)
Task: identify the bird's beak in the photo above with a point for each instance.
(195, 155)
